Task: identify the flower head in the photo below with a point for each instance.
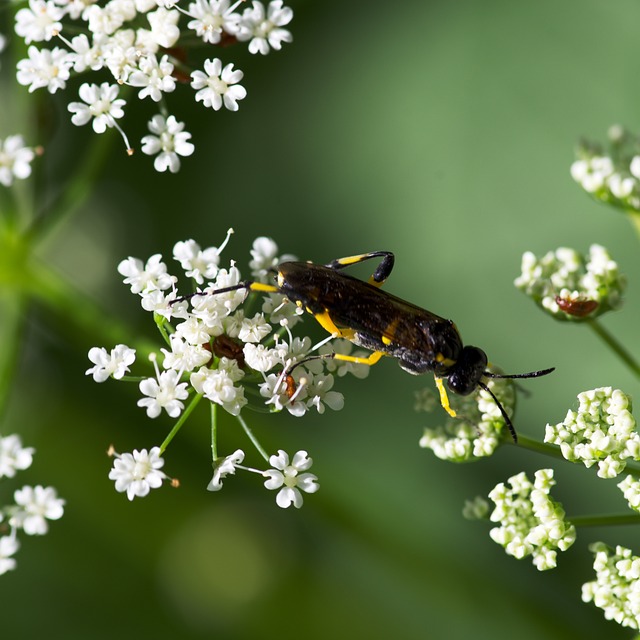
(602, 431)
(168, 142)
(264, 28)
(13, 456)
(531, 522)
(217, 85)
(36, 505)
(222, 467)
(570, 286)
(100, 105)
(9, 545)
(479, 427)
(286, 477)
(617, 585)
(15, 160)
(114, 364)
(138, 472)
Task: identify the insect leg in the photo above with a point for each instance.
(379, 275)
(444, 398)
(249, 285)
(370, 360)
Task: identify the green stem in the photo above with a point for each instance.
(540, 447)
(611, 342)
(605, 520)
(12, 326)
(214, 431)
(251, 437)
(178, 425)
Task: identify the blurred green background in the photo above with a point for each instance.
(442, 131)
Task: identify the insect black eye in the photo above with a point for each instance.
(469, 368)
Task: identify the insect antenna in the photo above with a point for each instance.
(531, 374)
(507, 420)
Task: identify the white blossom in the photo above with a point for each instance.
(168, 142)
(217, 85)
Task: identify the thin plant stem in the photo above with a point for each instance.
(214, 431)
(12, 327)
(611, 342)
(251, 437)
(539, 447)
(605, 520)
(178, 425)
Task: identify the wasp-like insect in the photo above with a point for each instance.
(370, 317)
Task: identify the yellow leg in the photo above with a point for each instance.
(380, 274)
(369, 360)
(444, 398)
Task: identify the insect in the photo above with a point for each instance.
(368, 316)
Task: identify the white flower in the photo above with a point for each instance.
(165, 391)
(184, 356)
(9, 545)
(319, 392)
(287, 477)
(101, 104)
(147, 277)
(45, 68)
(41, 21)
(602, 432)
(211, 18)
(260, 358)
(36, 505)
(197, 263)
(222, 467)
(14, 456)
(217, 385)
(15, 160)
(85, 54)
(617, 585)
(531, 522)
(114, 364)
(169, 141)
(164, 29)
(265, 30)
(138, 473)
(216, 85)
(154, 76)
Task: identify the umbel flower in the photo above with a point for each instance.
(235, 350)
(531, 522)
(32, 508)
(610, 173)
(152, 46)
(616, 589)
(571, 286)
(601, 432)
(479, 427)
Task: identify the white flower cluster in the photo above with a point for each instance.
(225, 350)
(616, 589)
(612, 176)
(477, 430)
(33, 506)
(531, 522)
(15, 159)
(144, 44)
(601, 431)
(570, 286)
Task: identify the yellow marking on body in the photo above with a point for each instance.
(375, 283)
(389, 331)
(447, 362)
(444, 398)
(260, 286)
